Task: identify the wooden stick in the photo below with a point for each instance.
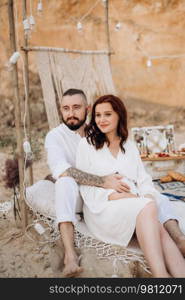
(26, 74)
(52, 49)
(177, 157)
(18, 126)
(107, 25)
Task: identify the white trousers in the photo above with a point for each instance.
(68, 202)
(165, 209)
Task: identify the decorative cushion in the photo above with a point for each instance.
(40, 198)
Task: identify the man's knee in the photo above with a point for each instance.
(165, 209)
(66, 181)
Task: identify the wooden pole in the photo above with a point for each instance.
(26, 74)
(18, 126)
(64, 50)
(107, 28)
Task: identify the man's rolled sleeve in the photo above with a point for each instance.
(56, 157)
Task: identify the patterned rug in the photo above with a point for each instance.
(174, 190)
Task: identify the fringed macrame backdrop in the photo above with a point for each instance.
(60, 71)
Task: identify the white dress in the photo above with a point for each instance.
(113, 221)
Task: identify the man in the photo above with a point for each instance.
(61, 144)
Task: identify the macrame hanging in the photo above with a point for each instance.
(60, 71)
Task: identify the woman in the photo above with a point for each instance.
(111, 216)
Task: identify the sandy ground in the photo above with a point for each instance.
(22, 257)
(19, 256)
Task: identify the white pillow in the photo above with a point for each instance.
(40, 197)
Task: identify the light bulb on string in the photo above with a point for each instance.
(104, 2)
(149, 63)
(79, 26)
(12, 61)
(27, 147)
(118, 26)
(27, 150)
(32, 22)
(27, 29)
(39, 8)
(31, 18)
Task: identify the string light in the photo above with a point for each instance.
(26, 26)
(104, 2)
(79, 23)
(39, 8)
(32, 22)
(31, 18)
(27, 147)
(149, 63)
(14, 58)
(79, 26)
(12, 61)
(118, 26)
(150, 58)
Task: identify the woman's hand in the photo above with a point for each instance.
(116, 196)
(114, 182)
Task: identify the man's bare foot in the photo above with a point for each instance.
(181, 245)
(176, 234)
(72, 267)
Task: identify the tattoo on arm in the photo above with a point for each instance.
(85, 178)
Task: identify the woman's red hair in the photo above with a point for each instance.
(95, 136)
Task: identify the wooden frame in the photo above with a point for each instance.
(26, 49)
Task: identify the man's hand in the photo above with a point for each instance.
(114, 182)
(116, 196)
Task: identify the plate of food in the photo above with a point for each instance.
(156, 142)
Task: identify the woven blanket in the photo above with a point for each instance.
(174, 190)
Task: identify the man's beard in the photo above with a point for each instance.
(77, 125)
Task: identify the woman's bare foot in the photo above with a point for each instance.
(72, 267)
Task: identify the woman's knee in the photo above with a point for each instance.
(149, 211)
(151, 207)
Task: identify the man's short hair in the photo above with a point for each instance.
(71, 92)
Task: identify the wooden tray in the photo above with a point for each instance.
(178, 157)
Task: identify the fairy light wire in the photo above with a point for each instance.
(89, 11)
(25, 91)
(31, 7)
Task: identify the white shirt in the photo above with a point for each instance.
(61, 144)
